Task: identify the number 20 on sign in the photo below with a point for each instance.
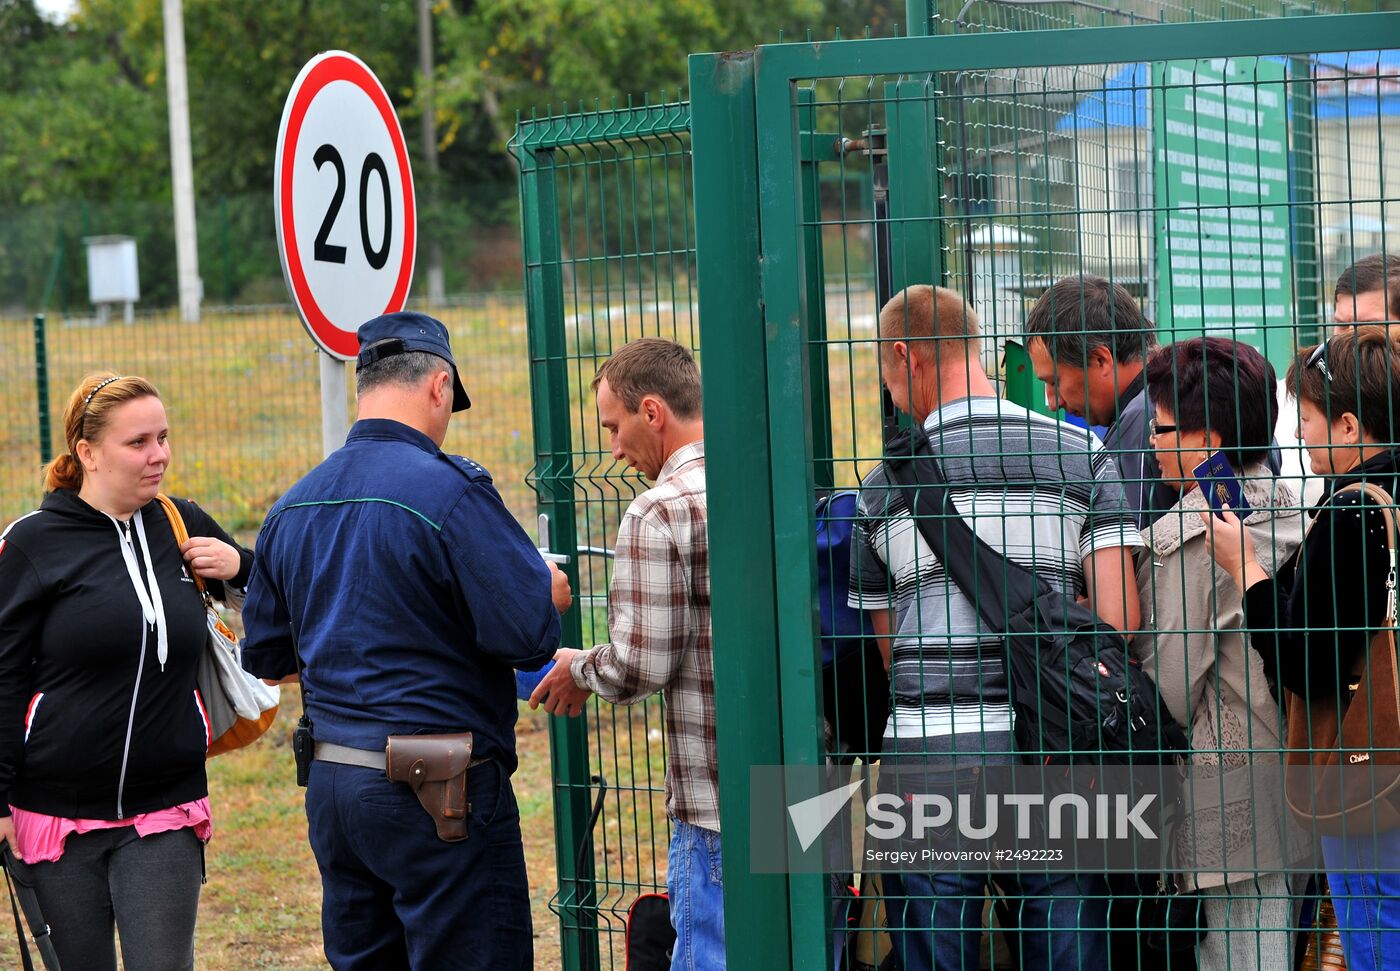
(346, 223)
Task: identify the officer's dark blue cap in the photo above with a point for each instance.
(405, 331)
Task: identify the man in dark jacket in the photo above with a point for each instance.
(1088, 342)
(399, 577)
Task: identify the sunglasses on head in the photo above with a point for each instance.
(1318, 359)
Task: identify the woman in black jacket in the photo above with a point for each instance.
(1312, 622)
(103, 734)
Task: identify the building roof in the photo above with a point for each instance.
(1350, 84)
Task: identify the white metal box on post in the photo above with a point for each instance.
(112, 276)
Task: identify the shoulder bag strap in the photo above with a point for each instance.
(177, 526)
(1386, 504)
(997, 586)
(586, 843)
(19, 925)
(182, 533)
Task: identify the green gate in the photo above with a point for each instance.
(826, 177)
(1054, 170)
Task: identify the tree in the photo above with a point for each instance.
(508, 56)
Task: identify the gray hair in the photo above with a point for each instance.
(1081, 313)
(407, 369)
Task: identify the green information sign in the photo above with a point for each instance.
(1220, 134)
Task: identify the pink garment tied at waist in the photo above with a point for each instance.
(40, 838)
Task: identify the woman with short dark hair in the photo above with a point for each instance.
(1211, 394)
(1313, 622)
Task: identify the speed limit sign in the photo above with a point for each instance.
(346, 227)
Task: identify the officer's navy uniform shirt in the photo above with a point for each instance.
(410, 590)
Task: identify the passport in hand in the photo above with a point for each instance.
(1220, 486)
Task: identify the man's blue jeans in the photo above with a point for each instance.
(1363, 873)
(695, 884)
(1058, 921)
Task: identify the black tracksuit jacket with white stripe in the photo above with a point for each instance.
(92, 725)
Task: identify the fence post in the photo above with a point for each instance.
(737, 461)
(787, 332)
(918, 18)
(41, 387)
(550, 394)
(1302, 170)
(817, 147)
(915, 169)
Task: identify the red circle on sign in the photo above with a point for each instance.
(341, 67)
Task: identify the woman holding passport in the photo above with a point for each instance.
(1313, 621)
(1215, 406)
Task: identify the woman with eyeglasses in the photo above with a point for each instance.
(1312, 623)
(103, 734)
(1216, 395)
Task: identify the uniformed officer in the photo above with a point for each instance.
(410, 594)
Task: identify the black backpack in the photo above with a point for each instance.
(1076, 694)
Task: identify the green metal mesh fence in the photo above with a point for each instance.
(978, 16)
(609, 254)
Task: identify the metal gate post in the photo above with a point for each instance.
(1302, 171)
(916, 229)
(554, 474)
(742, 567)
(41, 388)
(788, 316)
(817, 147)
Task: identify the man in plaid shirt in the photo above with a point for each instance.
(659, 621)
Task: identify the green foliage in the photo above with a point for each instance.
(21, 27)
(84, 130)
(512, 55)
(73, 123)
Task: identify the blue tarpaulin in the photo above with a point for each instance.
(1122, 102)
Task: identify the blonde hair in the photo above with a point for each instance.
(922, 315)
(87, 416)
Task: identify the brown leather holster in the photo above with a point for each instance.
(435, 768)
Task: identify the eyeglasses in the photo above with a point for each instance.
(1318, 359)
(1155, 428)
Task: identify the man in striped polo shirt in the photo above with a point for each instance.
(1047, 495)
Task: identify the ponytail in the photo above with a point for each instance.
(64, 472)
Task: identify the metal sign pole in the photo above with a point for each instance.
(335, 419)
